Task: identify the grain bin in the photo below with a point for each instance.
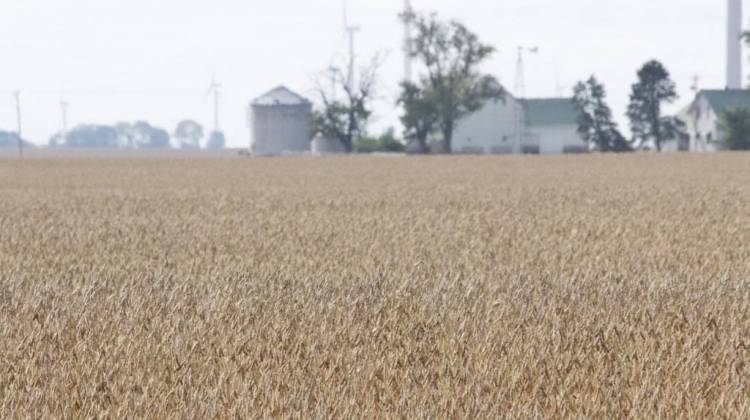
(280, 123)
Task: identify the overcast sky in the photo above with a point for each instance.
(115, 60)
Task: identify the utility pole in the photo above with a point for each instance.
(64, 109)
(19, 131)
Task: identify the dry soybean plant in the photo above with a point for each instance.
(446, 287)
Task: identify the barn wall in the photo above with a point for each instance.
(557, 139)
(493, 129)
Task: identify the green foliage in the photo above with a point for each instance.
(341, 121)
(421, 114)
(734, 124)
(189, 134)
(346, 106)
(653, 88)
(674, 128)
(453, 86)
(595, 124)
(386, 143)
(216, 140)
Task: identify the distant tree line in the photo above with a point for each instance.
(10, 139)
(138, 135)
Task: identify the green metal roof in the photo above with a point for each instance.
(723, 99)
(550, 111)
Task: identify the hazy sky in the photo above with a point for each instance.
(116, 60)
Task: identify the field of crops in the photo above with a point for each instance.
(444, 287)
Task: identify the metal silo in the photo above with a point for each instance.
(280, 123)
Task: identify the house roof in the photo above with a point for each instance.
(550, 111)
(728, 98)
(280, 96)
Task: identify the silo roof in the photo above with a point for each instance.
(281, 96)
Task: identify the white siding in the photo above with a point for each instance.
(557, 139)
(702, 125)
(493, 129)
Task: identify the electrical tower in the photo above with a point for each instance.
(520, 85)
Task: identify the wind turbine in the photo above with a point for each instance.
(408, 43)
(64, 113)
(213, 89)
(17, 97)
(350, 31)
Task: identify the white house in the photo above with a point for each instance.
(702, 116)
(544, 126)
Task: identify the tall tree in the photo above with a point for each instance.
(451, 55)
(653, 89)
(346, 104)
(189, 134)
(595, 124)
(734, 124)
(421, 114)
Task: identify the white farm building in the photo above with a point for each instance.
(279, 123)
(543, 126)
(702, 117)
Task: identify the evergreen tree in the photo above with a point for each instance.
(653, 89)
(595, 124)
(734, 124)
